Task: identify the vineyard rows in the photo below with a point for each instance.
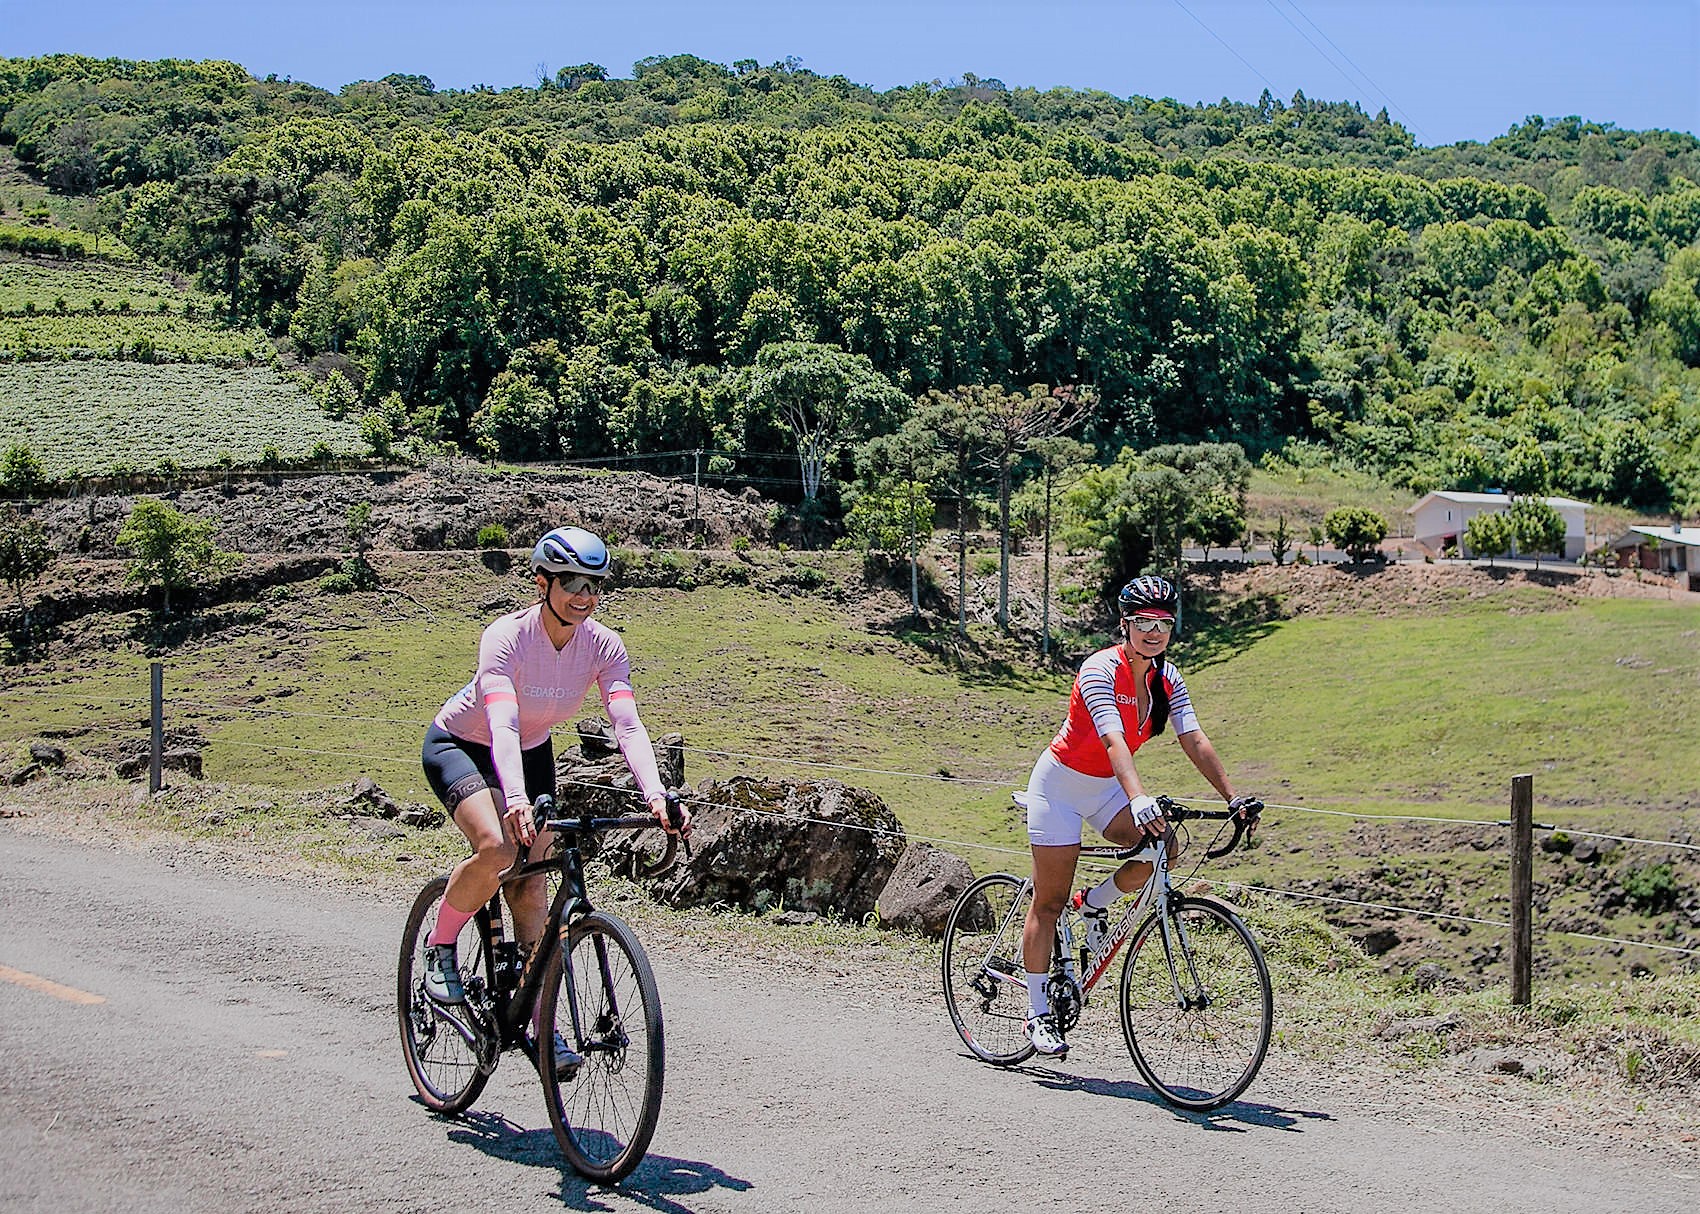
(96, 417)
(25, 284)
(137, 336)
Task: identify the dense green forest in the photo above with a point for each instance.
(751, 259)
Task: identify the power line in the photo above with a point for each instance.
(1268, 82)
(1384, 95)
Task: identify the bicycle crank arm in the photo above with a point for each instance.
(477, 1042)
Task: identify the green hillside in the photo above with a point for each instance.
(1424, 712)
(598, 266)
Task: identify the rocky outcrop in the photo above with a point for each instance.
(812, 846)
(923, 888)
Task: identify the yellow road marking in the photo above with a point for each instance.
(47, 986)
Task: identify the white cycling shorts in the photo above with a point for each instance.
(1059, 799)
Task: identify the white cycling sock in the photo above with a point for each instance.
(1100, 896)
(1038, 1003)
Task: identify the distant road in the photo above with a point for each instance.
(180, 1038)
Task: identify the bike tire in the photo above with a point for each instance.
(604, 1115)
(985, 990)
(443, 1067)
(1204, 1054)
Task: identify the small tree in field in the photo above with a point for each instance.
(25, 555)
(170, 549)
(1280, 540)
(1215, 521)
(1489, 535)
(1537, 528)
(357, 567)
(21, 473)
(1316, 535)
(1355, 530)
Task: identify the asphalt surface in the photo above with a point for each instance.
(243, 1056)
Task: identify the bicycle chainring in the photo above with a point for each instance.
(1064, 994)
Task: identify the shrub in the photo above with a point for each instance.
(21, 473)
(740, 544)
(1651, 888)
(1355, 531)
(492, 535)
(337, 583)
(359, 572)
(378, 434)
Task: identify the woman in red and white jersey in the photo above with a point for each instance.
(1123, 696)
(488, 755)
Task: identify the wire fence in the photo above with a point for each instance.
(214, 710)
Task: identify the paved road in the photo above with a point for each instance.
(244, 1058)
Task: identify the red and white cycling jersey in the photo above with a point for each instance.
(1105, 700)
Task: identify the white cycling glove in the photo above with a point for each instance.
(1145, 811)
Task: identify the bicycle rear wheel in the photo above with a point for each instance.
(605, 1114)
(443, 1066)
(985, 988)
(1196, 1010)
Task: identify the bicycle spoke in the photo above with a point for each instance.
(1202, 1049)
(605, 1113)
(984, 987)
(443, 1066)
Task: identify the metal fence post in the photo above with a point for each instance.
(1522, 886)
(156, 750)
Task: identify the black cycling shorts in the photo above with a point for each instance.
(456, 768)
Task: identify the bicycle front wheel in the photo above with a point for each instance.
(985, 987)
(604, 1114)
(1196, 1006)
(444, 1068)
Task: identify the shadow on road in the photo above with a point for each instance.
(1237, 1117)
(658, 1180)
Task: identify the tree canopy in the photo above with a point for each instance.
(595, 265)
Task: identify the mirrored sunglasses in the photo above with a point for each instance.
(579, 583)
(1149, 623)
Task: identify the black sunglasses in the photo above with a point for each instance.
(578, 583)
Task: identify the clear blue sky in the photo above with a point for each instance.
(1448, 69)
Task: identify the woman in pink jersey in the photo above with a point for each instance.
(487, 754)
(1122, 697)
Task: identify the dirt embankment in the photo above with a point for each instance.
(1421, 588)
(430, 510)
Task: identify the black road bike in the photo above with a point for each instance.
(588, 980)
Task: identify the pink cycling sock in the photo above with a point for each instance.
(449, 923)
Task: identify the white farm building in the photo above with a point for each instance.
(1439, 519)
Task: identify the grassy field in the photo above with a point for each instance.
(1425, 714)
(1428, 713)
(96, 415)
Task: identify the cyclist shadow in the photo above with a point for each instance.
(655, 1183)
(1236, 1117)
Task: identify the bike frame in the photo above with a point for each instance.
(1154, 895)
(1156, 888)
(514, 1000)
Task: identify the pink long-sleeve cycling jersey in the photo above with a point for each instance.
(524, 687)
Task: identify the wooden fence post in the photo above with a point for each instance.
(1522, 886)
(156, 748)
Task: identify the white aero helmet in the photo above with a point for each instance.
(567, 550)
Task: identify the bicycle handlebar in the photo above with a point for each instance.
(1245, 819)
(543, 809)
